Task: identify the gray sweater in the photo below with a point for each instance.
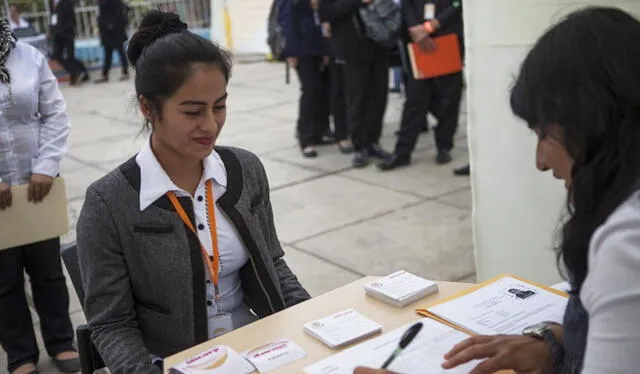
(143, 272)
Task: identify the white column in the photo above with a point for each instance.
(516, 209)
(218, 30)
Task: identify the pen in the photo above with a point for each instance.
(407, 338)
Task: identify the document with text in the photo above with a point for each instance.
(424, 354)
(504, 306)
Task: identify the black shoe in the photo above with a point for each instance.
(71, 365)
(309, 152)
(378, 152)
(393, 162)
(361, 159)
(443, 157)
(463, 171)
(85, 76)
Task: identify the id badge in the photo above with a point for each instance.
(54, 19)
(429, 11)
(220, 324)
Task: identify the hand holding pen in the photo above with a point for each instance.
(406, 339)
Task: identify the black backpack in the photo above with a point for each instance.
(275, 34)
(382, 20)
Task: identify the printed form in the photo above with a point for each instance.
(424, 355)
(505, 306)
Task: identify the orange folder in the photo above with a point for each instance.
(444, 60)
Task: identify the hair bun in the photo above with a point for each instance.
(154, 25)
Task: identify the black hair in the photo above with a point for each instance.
(583, 77)
(162, 52)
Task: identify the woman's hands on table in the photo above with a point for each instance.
(522, 354)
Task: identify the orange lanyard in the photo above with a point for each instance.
(212, 264)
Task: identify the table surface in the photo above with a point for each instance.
(288, 324)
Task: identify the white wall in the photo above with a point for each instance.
(516, 209)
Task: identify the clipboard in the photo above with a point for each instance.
(25, 222)
(446, 59)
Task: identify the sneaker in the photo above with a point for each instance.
(309, 152)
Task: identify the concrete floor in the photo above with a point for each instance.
(336, 223)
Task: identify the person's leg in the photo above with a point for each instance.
(50, 295)
(449, 92)
(123, 62)
(71, 55)
(17, 337)
(59, 47)
(376, 105)
(355, 77)
(106, 66)
(309, 75)
(339, 108)
(414, 117)
(324, 135)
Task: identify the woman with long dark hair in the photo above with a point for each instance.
(579, 91)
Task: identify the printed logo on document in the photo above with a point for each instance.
(519, 292)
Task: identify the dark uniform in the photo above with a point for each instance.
(366, 76)
(440, 95)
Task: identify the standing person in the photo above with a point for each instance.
(178, 244)
(304, 50)
(338, 102)
(424, 20)
(366, 75)
(15, 18)
(63, 32)
(33, 139)
(112, 24)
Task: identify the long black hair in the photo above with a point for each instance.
(583, 77)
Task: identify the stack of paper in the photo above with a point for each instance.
(219, 360)
(401, 288)
(503, 305)
(342, 328)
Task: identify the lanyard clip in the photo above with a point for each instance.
(217, 292)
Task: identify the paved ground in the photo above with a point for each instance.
(336, 223)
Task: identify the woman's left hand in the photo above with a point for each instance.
(523, 354)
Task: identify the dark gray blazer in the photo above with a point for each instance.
(143, 272)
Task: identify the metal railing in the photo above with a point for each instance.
(196, 13)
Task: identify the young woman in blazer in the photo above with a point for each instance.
(178, 244)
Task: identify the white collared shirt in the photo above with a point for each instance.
(155, 183)
(33, 122)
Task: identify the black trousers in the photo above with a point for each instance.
(366, 88)
(64, 51)
(338, 101)
(50, 296)
(313, 115)
(440, 96)
(108, 58)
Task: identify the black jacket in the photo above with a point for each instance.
(112, 23)
(348, 39)
(66, 18)
(303, 34)
(447, 13)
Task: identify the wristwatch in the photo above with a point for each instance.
(543, 331)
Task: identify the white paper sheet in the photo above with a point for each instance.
(401, 285)
(423, 355)
(341, 328)
(217, 360)
(275, 355)
(506, 306)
